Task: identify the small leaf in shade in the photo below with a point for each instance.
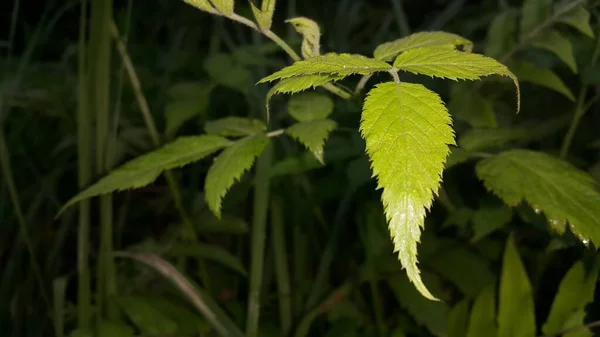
(146, 317)
(209, 251)
(579, 18)
(229, 167)
(533, 14)
(481, 139)
(113, 329)
(458, 319)
(516, 317)
(144, 169)
(488, 219)
(188, 100)
(548, 184)
(483, 315)
(313, 134)
(527, 72)
(440, 40)
(500, 35)
(468, 105)
(556, 43)
(235, 127)
(310, 106)
(223, 69)
(311, 34)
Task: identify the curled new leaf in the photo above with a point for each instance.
(330, 64)
(387, 51)
(144, 169)
(551, 185)
(311, 36)
(229, 167)
(407, 132)
(313, 134)
(264, 15)
(454, 65)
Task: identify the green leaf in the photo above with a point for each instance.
(516, 316)
(229, 166)
(228, 224)
(208, 251)
(579, 18)
(556, 43)
(488, 219)
(576, 290)
(312, 134)
(533, 14)
(458, 319)
(330, 64)
(407, 132)
(146, 317)
(144, 169)
(387, 51)
(452, 64)
(188, 100)
(500, 35)
(310, 106)
(483, 315)
(113, 329)
(224, 70)
(457, 156)
(235, 127)
(203, 5)
(468, 105)
(188, 322)
(224, 6)
(527, 72)
(264, 15)
(311, 34)
(480, 139)
(553, 186)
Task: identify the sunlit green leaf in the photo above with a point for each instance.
(229, 167)
(387, 51)
(483, 315)
(144, 169)
(527, 72)
(202, 5)
(501, 34)
(224, 6)
(264, 15)
(188, 322)
(330, 64)
(407, 131)
(311, 34)
(533, 14)
(235, 127)
(452, 64)
(313, 134)
(561, 191)
(579, 18)
(560, 46)
(310, 106)
(516, 317)
(145, 316)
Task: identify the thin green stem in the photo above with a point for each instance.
(13, 29)
(259, 224)
(281, 266)
(84, 177)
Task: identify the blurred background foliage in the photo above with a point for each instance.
(329, 269)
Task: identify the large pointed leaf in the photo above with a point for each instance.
(145, 169)
(387, 51)
(575, 292)
(407, 132)
(310, 106)
(482, 321)
(452, 64)
(560, 46)
(527, 72)
(516, 316)
(229, 167)
(235, 127)
(458, 319)
(579, 18)
(311, 34)
(330, 64)
(553, 186)
(500, 35)
(533, 14)
(313, 134)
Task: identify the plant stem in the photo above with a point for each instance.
(84, 177)
(259, 224)
(281, 266)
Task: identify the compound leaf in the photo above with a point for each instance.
(229, 167)
(313, 134)
(527, 72)
(407, 132)
(144, 169)
(310, 106)
(387, 51)
(311, 34)
(561, 191)
(579, 18)
(556, 43)
(452, 64)
(235, 127)
(533, 14)
(516, 316)
(330, 64)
